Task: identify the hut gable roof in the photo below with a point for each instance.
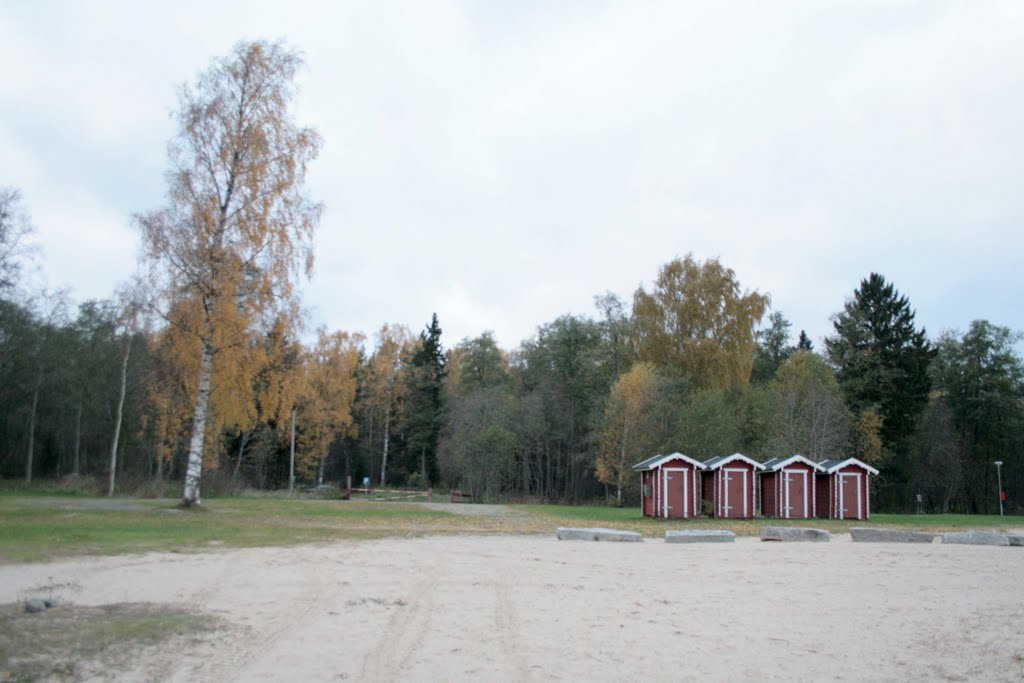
(722, 460)
(655, 461)
(776, 464)
(831, 466)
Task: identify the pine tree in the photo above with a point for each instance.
(881, 359)
(772, 349)
(424, 404)
(804, 343)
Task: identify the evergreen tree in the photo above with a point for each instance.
(804, 343)
(881, 359)
(424, 403)
(772, 350)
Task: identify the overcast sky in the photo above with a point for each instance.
(501, 163)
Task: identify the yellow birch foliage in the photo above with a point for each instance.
(868, 436)
(253, 380)
(630, 431)
(237, 229)
(325, 406)
(387, 367)
(696, 321)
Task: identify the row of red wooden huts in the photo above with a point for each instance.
(737, 487)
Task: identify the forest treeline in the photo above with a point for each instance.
(200, 370)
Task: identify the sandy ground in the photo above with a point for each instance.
(536, 609)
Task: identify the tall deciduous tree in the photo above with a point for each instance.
(237, 227)
(981, 377)
(385, 386)
(807, 409)
(325, 408)
(127, 325)
(15, 227)
(563, 372)
(481, 364)
(478, 448)
(937, 458)
(44, 355)
(881, 358)
(697, 322)
(633, 426)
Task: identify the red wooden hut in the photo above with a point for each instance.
(730, 485)
(670, 485)
(788, 488)
(843, 490)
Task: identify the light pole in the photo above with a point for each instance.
(999, 479)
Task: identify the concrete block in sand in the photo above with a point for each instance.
(35, 605)
(864, 534)
(794, 534)
(597, 534)
(975, 538)
(700, 536)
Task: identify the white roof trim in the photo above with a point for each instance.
(783, 462)
(672, 456)
(851, 461)
(737, 456)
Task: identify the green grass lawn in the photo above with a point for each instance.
(39, 528)
(45, 526)
(631, 518)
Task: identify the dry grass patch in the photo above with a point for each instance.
(71, 642)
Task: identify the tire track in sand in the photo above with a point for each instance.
(249, 644)
(509, 628)
(402, 637)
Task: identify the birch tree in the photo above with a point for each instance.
(325, 409)
(807, 410)
(124, 334)
(237, 228)
(632, 428)
(15, 228)
(385, 385)
(697, 322)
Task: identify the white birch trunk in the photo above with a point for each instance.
(194, 469)
(246, 435)
(291, 460)
(32, 428)
(622, 466)
(120, 415)
(78, 438)
(387, 433)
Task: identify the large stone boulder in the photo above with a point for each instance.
(794, 534)
(700, 536)
(597, 534)
(1015, 539)
(864, 534)
(975, 538)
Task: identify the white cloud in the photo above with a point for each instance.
(501, 167)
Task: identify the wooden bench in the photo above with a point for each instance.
(457, 496)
